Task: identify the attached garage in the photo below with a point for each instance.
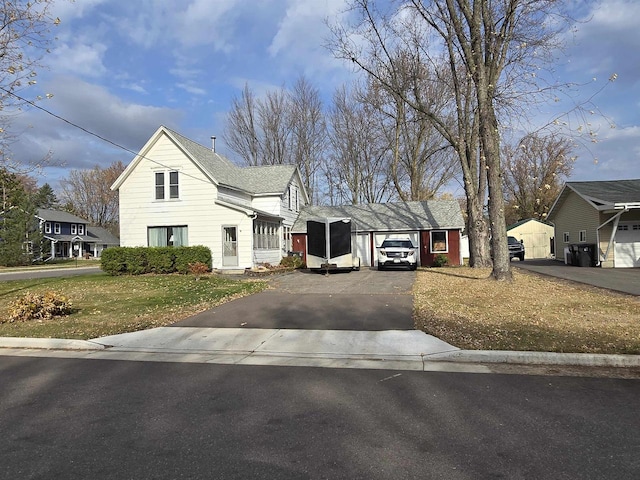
(627, 245)
(434, 227)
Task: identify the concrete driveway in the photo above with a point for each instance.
(624, 280)
(366, 300)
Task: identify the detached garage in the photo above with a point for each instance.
(603, 217)
(434, 227)
(536, 236)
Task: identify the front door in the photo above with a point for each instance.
(229, 246)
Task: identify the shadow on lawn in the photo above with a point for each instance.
(450, 272)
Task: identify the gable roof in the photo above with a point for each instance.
(403, 216)
(526, 220)
(602, 195)
(59, 216)
(101, 235)
(262, 180)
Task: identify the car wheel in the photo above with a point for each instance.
(380, 267)
(522, 257)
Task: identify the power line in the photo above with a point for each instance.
(104, 139)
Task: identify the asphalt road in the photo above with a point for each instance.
(78, 419)
(51, 273)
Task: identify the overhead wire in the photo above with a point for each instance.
(100, 137)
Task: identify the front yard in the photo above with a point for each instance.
(458, 305)
(463, 307)
(107, 305)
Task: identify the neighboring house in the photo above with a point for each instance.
(177, 192)
(537, 237)
(70, 235)
(434, 226)
(601, 214)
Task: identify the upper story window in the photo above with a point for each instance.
(74, 229)
(582, 236)
(47, 227)
(160, 185)
(565, 237)
(173, 184)
(294, 200)
(56, 228)
(80, 229)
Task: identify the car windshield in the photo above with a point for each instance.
(397, 244)
(513, 240)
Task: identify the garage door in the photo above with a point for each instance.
(627, 247)
(363, 250)
(380, 237)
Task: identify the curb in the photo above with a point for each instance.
(538, 358)
(49, 343)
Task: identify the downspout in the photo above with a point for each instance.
(616, 220)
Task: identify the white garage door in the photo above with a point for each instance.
(363, 250)
(627, 247)
(380, 237)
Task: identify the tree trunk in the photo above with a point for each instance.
(478, 233)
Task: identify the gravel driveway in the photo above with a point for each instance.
(364, 300)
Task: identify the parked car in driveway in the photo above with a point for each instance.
(516, 248)
(397, 252)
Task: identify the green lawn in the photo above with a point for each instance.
(107, 305)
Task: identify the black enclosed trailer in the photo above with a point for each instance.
(330, 245)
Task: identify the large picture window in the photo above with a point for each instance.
(439, 243)
(265, 235)
(167, 236)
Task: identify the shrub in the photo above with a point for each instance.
(161, 259)
(187, 255)
(292, 262)
(440, 260)
(198, 269)
(139, 260)
(35, 306)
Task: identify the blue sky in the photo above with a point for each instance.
(121, 68)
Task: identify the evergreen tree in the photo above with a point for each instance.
(45, 198)
(19, 232)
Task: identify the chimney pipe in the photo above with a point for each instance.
(213, 143)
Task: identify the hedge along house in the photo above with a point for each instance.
(605, 214)
(434, 226)
(176, 192)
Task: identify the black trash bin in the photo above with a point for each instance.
(586, 255)
(574, 252)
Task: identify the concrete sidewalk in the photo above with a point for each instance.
(389, 349)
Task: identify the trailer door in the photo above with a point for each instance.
(316, 239)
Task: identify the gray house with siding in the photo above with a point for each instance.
(605, 214)
(434, 226)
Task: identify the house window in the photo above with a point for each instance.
(582, 236)
(290, 197)
(286, 239)
(168, 236)
(565, 237)
(47, 227)
(56, 228)
(623, 228)
(159, 185)
(80, 229)
(439, 242)
(74, 229)
(265, 235)
(173, 184)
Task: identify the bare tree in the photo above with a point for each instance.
(308, 134)
(358, 168)
(534, 172)
(489, 48)
(87, 193)
(275, 122)
(241, 131)
(24, 41)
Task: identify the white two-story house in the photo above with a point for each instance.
(177, 192)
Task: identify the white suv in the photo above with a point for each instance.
(397, 252)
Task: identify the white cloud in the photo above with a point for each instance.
(80, 59)
(95, 109)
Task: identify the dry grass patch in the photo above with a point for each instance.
(465, 308)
